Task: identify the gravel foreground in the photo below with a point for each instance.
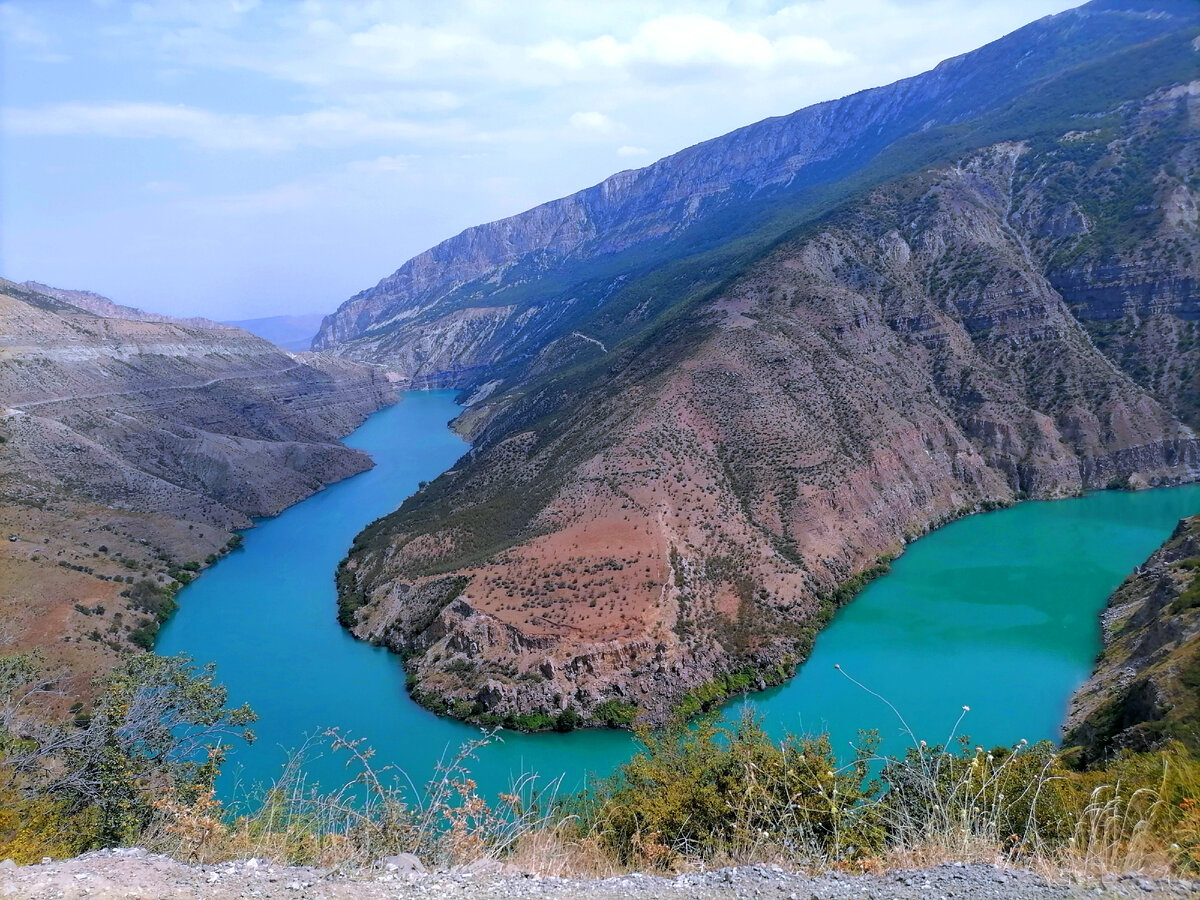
(137, 875)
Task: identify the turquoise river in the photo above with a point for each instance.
(998, 612)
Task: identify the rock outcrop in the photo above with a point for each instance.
(1146, 686)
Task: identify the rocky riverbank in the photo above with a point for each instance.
(1143, 691)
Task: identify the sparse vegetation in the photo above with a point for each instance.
(139, 763)
(148, 596)
(134, 770)
(156, 726)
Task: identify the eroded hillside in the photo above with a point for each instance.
(132, 447)
(677, 519)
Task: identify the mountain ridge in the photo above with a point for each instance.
(689, 451)
(686, 521)
(102, 306)
(291, 332)
(371, 324)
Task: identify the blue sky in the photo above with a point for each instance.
(242, 158)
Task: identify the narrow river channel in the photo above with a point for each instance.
(997, 612)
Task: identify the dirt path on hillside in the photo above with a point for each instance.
(32, 404)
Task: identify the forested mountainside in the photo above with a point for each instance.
(132, 446)
(690, 447)
(1146, 687)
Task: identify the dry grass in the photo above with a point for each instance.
(1089, 830)
(379, 812)
(696, 796)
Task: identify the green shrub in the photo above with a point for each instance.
(144, 634)
(153, 598)
(708, 695)
(705, 792)
(567, 720)
(1189, 598)
(615, 713)
(154, 730)
(538, 721)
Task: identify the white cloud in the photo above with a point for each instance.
(21, 28)
(18, 25)
(166, 187)
(280, 198)
(361, 178)
(382, 165)
(383, 126)
(692, 40)
(682, 41)
(195, 13)
(594, 123)
(223, 131)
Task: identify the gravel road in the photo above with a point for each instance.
(136, 875)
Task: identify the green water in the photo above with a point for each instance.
(997, 612)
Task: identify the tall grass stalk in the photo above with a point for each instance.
(376, 812)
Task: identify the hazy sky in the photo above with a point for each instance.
(235, 158)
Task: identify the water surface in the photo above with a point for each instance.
(997, 612)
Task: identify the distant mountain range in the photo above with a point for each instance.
(294, 333)
(289, 332)
(109, 309)
(708, 398)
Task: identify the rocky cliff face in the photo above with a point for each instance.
(496, 294)
(692, 519)
(689, 450)
(209, 424)
(132, 445)
(1146, 686)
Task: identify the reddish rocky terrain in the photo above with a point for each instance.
(689, 523)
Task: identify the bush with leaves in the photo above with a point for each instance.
(708, 792)
(158, 725)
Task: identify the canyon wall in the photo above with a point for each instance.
(131, 446)
(707, 399)
(1146, 686)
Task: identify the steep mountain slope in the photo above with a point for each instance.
(492, 297)
(664, 503)
(131, 447)
(211, 424)
(1146, 687)
(696, 515)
